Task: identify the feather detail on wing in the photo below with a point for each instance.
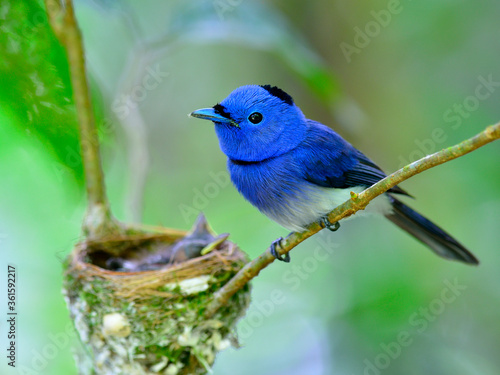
(368, 173)
(331, 161)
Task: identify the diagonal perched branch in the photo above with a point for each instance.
(348, 208)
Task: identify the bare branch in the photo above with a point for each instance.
(348, 208)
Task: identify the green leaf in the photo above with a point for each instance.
(35, 86)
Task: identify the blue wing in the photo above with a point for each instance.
(330, 161)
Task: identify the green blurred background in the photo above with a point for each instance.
(397, 79)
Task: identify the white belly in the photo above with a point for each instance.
(295, 214)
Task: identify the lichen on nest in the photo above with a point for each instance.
(152, 322)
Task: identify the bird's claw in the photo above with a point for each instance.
(325, 223)
(277, 244)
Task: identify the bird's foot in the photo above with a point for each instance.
(277, 245)
(325, 223)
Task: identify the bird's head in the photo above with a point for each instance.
(255, 123)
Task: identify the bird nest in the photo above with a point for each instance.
(138, 302)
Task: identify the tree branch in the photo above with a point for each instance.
(98, 220)
(348, 208)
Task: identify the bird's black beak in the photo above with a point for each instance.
(210, 114)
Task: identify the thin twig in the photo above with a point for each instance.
(356, 203)
(99, 220)
(136, 133)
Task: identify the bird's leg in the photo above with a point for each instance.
(325, 223)
(274, 246)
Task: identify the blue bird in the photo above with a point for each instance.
(296, 170)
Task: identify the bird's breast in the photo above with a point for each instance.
(265, 184)
(277, 189)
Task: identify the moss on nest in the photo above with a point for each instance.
(151, 322)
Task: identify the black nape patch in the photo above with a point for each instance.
(221, 110)
(279, 93)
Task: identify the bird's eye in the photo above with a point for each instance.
(255, 118)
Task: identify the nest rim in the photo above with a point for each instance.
(228, 257)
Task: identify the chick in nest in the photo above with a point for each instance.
(200, 240)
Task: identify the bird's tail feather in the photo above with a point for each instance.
(429, 233)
